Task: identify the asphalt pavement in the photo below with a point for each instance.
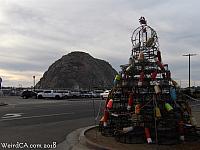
(43, 122)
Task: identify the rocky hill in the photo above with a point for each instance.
(78, 70)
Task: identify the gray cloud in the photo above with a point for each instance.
(35, 33)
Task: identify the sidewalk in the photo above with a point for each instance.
(74, 141)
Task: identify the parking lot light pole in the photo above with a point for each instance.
(189, 55)
(33, 83)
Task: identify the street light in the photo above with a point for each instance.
(33, 83)
(189, 65)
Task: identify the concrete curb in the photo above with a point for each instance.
(89, 143)
(76, 140)
(72, 141)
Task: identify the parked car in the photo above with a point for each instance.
(93, 94)
(50, 94)
(104, 94)
(86, 94)
(75, 94)
(66, 93)
(28, 94)
(98, 92)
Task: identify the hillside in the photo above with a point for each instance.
(78, 70)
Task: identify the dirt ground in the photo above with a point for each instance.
(110, 142)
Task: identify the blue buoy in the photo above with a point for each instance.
(173, 93)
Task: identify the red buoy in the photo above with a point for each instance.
(148, 136)
(130, 101)
(105, 117)
(159, 56)
(110, 104)
(153, 75)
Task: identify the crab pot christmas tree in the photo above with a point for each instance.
(144, 104)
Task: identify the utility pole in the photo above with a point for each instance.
(189, 55)
(33, 83)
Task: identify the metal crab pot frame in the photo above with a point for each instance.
(144, 104)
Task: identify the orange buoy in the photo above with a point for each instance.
(137, 109)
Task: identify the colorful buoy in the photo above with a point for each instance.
(105, 117)
(159, 56)
(141, 79)
(110, 104)
(148, 136)
(168, 107)
(153, 75)
(158, 114)
(173, 93)
(130, 101)
(157, 89)
(137, 109)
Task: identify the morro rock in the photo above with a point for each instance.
(78, 70)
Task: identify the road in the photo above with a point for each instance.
(44, 122)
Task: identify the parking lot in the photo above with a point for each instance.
(44, 121)
(15, 100)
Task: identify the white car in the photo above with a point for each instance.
(65, 93)
(50, 94)
(104, 94)
(93, 94)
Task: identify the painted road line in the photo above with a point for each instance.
(30, 117)
(13, 115)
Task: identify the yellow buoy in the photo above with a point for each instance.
(158, 114)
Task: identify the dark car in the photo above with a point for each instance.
(29, 94)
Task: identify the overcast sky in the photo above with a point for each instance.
(35, 33)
